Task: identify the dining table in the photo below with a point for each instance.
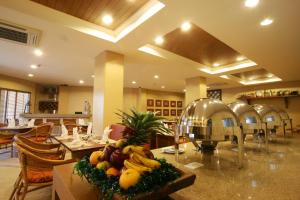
(85, 146)
(16, 129)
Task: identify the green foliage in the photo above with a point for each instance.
(140, 126)
(110, 185)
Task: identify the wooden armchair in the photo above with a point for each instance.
(70, 127)
(116, 131)
(40, 133)
(36, 172)
(6, 140)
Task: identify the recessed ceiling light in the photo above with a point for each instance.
(38, 52)
(81, 81)
(251, 3)
(30, 75)
(225, 76)
(33, 66)
(270, 75)
(156, 76)
(186, 26)
(133, 82)
(216, 64)
(163, 87)
(159, 40)
(240, 58)
(184, 90)
(266, 22)
(93, 76)
(107, 19)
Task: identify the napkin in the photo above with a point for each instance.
(76, 137)
(31, 123)
(106, 132)
(11, 123)
(89, 129)
(64, 131)
(81, 122)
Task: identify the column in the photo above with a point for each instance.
(195, 88)
(108, 90)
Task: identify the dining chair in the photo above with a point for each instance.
(6, 141)
(3, 125)
(70, 127)
(36, 172)
(116, 131)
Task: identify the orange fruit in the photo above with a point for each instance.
(112, 172)
(128, 178)
(95, 156)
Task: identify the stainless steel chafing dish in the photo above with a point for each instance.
(249, 118)
(209, 121)
(286, 121)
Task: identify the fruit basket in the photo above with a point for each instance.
(128, 170)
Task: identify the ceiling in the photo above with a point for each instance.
(69, 54)
(94, 10)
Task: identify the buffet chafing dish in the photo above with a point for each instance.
(286, 121)
(206, 122)
(249, 118)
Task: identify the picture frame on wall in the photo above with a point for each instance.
(173, 112)
(173, 103)
(158, 112)
(166, 103)
(179, 111)
(179, 104)
(150, 110)
(150, 102)
(166, 112)
(214, 94)
(157, 103)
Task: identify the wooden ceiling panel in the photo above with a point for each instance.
(93, 10)
(199, 46)
(258, 74)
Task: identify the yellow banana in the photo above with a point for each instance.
(133, 148)
(153, 164)
(134, 159)
(137, 167)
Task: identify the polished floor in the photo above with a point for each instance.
(272, 175)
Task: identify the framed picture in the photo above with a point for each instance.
(166, 112)
(173, 112)
(165, 103)
(158, 103)
(173, 103)
(150, 102)
(214, 94)
(158, 112)
(150, 110)
(179, 111)
(179, 104)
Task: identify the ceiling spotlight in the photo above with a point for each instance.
(266, 22)
(184, 90)
(156, 76)
(38, 52)
(81, 81)
(159, 40)
(30, 75)
(216, 64)
(33, 66)
(270, 75)
(133, 82)
(251, 3)
(93, 76)
(225, 76)
(240, 58)
(163, 87)
(186, 26)
(107, 19)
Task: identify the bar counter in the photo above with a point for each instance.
(54, 116)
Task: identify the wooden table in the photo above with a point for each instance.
(16, 129)
(86, 148)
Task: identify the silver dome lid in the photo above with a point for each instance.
(241, 107)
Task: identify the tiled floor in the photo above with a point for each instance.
(265, 176)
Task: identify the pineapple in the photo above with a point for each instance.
(140, 126)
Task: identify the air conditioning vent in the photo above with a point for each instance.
(19, 34)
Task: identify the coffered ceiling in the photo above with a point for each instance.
(70, 44)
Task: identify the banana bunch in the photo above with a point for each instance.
(138, 159)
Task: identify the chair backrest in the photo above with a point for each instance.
(116, 131)
(3, 125)
(69, 121)
(70, 127)
(56, 122)
(38, 122)
(44, 129)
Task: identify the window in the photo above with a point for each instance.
(13, 103)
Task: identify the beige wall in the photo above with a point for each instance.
(19, 84)
(230, 95)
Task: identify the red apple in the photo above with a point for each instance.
(117, 158)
